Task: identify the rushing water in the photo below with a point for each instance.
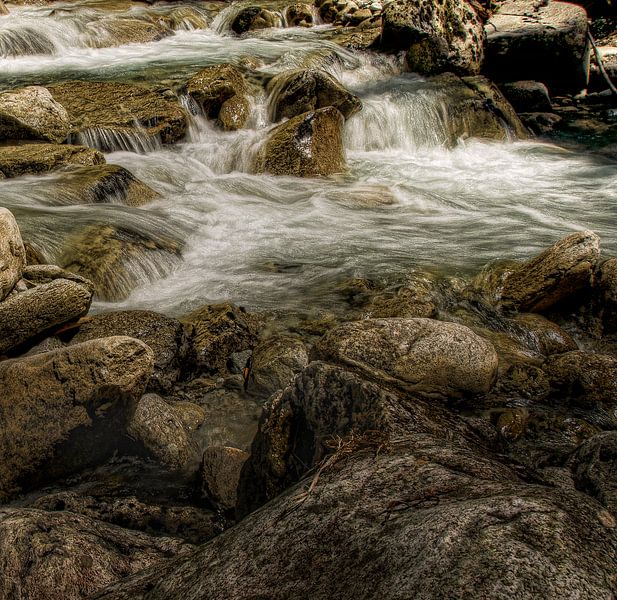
(407, 201)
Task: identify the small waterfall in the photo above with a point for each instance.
(23, 41)
(111, 140)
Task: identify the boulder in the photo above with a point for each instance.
(295, 92)
(543, 335)
(540, 41)
(113, 31)
(438, 36)
(557, 273)
(120, 108)
(64, 556)
(32, 159)
(425, 356)
(164, 335)
(308, 145)
(252, 18)
(220, 474)
(12, 253)
(31, 113)
(299, 15)
(606, 284)
(66, 409)
(165, 431)
(528, 96)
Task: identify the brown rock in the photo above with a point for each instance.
(12, 253)
(220, 472)
(234, 113)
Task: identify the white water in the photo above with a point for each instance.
(279, 242)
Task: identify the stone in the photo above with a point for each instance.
(424, 356)
(164, 335)
(308, 145)
(30, 313)
(32, 159)
(3, 9)
(111, 31)
(275, 362)
(438, 37)
(545, 42)
(65, 556)
(527, 96)
(66, 409)
(606, 284)
(295, 92)
(120, 108)
(234, 113)
(31, 113)
(252, 18)
(540, 123)
(220, 474)
(299, 15)
(163, 431)
(544, 336)
(554, 275)
(12, 253)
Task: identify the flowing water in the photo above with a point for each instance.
(409, 200)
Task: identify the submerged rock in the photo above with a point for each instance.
(308, 145)
(12, 253)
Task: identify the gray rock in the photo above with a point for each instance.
(220, 474)
(31, 113)
(12, 253)
(66, 409)
(424, 356)
(528, 96)
(544, 41)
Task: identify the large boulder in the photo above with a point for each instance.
(65, 556)
(31, 113)
(295, 92)
(542, 41)
(425, 356)
(439, 36)
(308, 145)
(12, 253)
(68, 408)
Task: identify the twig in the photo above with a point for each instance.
(600, 64)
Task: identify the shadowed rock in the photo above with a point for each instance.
(12, 253)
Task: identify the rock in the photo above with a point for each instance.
(66, 409)
(164, 335)
(32, 159)
(111, 31)
(299, 15)
(528, 96)
(557, 273)
(544, 42)
(252, 18)
(12, 253)
(275, 362)
(31, 113)
(439, 37)
(308, 145)
(512, 423)
(418, 297)
(3, 9)
(544, 336)
(120, 108)
(540, 123)
(27, 314)
(220, 473)
(163, 431)
(234, 113)
(606, 283)
(64, 556)
(295, 92)
(424, 356)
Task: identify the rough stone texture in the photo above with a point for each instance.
(545, 336)
(299, 15)
(112, 31)
(12, 253)
(420, 355)
(66, 409)
(275, 362)
(64, 556)
(31, 113)
(252, 18)
(220, 474)
(164, 335)
(295, 92)
(234, 113)
(560, 271)
(528, 96)
(606, 283)
(120, 107)
(308, 145)
(27, 314)
(439, 36)
(544, 42)
(163, 431)
(31, 159)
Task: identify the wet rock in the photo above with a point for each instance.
(31, 113)
(540, 123)
(528, 96)
(3, 9)
(417, 297)
(31, 159)
(12, 253)
(66, 409)
(544, 42)
(164, 335)
(445, 36)
(234, 113)
(308, 145)
(557, 273)
(220, 473)
(424, 356)
(275, 362)
(120, 108)
(253, 18)
(165, 431)
(512, 423)
(112, 31)
(65, 556)
(545, 336)
(299, 15)
(606, 283)
(295, 92)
